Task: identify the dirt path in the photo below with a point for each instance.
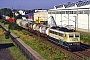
(5, 53)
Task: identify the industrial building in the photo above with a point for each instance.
(40, 15)
(75, 14)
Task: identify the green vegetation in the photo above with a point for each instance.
(3, 40)
(85, 38)
(25, 32)
(6, 11)
(15, 52)
(2, 37)
(2, 21)
(10, 13)
(13, 26)
(48, 52)
(10, 26)
(7, 33)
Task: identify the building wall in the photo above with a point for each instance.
(43, 15)
(21, 12)
(82, 20)
(81, 14)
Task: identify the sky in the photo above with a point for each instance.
(32, 4)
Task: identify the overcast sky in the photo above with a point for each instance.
(32, 4)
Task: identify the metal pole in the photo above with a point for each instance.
(55, 15)
(61, 19)
(68, 17)
(77, 18)
(75, 23)
(88, 19)
(38, 19)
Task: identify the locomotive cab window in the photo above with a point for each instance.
(55, 33)
(50, 31)
(60, 34)
(76, 35)
(70, 35)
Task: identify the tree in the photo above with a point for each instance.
(6, 11)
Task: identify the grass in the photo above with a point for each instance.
(48, 52)
(15, 52)
(85, 39)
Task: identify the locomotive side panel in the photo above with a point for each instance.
(56, 37)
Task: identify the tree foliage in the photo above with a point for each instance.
(6, 11)
(13, 26)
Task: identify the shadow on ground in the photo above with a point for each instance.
(82, 47)
(6, 45)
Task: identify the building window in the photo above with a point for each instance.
(49, 12)
(62, 12)
(76, 35)
(55, 33)
(57, 12)
(74, 12)
(71, 12)
(60, 34)
(86, 12)
(80, 12)
(53, 12)
(67, 12)
(70, 35)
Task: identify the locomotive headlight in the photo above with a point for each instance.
(78, 43)
(71, 44)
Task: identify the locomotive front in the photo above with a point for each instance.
(73, 40)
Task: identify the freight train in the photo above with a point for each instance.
(62, 36)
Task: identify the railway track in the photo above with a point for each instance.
(82, 54)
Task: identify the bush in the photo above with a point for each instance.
(6, 22)
(7, 33)
(85, 38)
(2, 21)
(13, 26)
